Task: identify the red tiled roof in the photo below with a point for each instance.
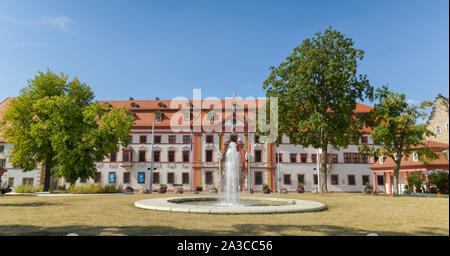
(435, 146)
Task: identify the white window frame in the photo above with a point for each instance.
(415, 157)
(382, 160)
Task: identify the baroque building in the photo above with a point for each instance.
(187, 153)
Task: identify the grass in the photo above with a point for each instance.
(28, 189)
(347, 214)
(94, 189)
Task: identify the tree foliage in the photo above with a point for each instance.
(317, 89)
(396, 132)
(54, 122)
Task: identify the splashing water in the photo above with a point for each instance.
(231, 177)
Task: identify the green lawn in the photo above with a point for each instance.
(347, 214)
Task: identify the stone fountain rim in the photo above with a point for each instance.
(164, 204)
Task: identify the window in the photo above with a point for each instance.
(233, 138)
(158, 117)
(126, 177)
(334, 158)
(293, 158)
(185, 156)
(382, 160)
(172, 139)
(301, 178)
(171, 156)
(438, 129)
(27, 181)
(186, 117)
(10, 182)
(364, 158)
(112, 177)
(287, 179)
(157, 139)
(156, 156)
(314, 158)
(98, 177)
(210, 116)
(258, 156)
(130, 139)
(186, 139)
(113, 156)
(141, 156)
(208, 178)
(415, 156)
(365, 179)
(364, 139)
(279, 157)
(143, 139)
(380, 180)
(356, 159)
(209, 139)
(2, 148)
(185, 177)
(351, 180)
(2, 163)
(170, 178)
(361, 123)
(303, 158)
(155, 179)
(141, 177)
(256, 138)
(315, 179)
(446, 128)
(334, 179)
(209, 155)
(126, 157)
(347, 158)
(258, 178)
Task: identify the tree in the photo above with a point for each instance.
(396, 131)
(55, 123)
(317, 90)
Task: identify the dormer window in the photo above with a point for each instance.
(161, 105)
(186, 117)
(415, 157)
(210, 116)
(158, 117)
(234, 107)
(382, 160)
(134, 105)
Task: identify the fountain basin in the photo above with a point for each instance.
(211, 205)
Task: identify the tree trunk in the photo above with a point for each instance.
(323, 170)
(395, 191)
(47, 174)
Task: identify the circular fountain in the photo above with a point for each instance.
(230, 202)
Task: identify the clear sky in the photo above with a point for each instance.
(145, 49)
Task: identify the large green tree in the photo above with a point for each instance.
(396, 130)
(317, 90)
(55, 123)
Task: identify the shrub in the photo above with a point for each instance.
(416, 179)
(28, 189)
(301, 185)
(198, 188)
(440, 180)
(94, 189)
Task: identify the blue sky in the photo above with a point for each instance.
(145, 49)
